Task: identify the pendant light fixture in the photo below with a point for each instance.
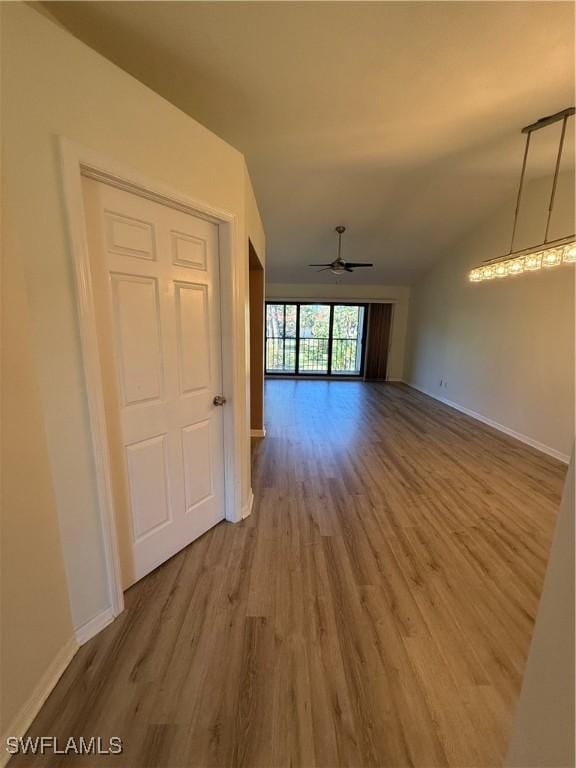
(548, 253)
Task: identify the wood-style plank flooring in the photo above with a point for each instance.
(375, 610)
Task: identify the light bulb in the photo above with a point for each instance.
(533, 261)
(501, 269)
(516, 266)
(487, 273)
(475, 275)
(551, 258)
(569, 256)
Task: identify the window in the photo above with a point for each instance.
(281, 338)
(308, 338)
(347, 332)
(314, 346)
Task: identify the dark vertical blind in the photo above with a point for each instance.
(379, 322)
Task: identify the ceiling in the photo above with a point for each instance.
(400, 120)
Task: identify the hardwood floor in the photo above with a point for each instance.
(375, 610)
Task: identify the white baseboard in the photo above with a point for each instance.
(563, 457)
(90, 628)
(258, 432)
(247, 508)
(25, 717)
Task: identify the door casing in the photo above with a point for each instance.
(77, 161)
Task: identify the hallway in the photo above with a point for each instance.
(375, 610)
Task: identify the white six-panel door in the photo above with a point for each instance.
(163, 300)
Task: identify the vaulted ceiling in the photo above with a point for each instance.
(400, 120)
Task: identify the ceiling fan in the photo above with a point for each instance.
(339, 266)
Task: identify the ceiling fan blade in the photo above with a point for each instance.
(323, 269)
(358, 264)
(320, 265)
(348, 268)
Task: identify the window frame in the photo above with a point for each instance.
(310, 374)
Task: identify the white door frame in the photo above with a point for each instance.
(76, 162)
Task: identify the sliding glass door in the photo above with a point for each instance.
(323, 339)
(281, 338)
(348, 332)
(314, 347)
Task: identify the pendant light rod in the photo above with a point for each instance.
(519, 196)
(563, 115)
(544, 121)
(553, 194)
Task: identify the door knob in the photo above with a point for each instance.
(219, 400)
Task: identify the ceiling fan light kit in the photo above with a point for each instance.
(548, 253)
(338, 267)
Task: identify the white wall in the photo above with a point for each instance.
(35, 624)
(543, 735)
(54, 85)
(505, 348)
(398, 295)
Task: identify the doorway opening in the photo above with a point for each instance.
(256, 290)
